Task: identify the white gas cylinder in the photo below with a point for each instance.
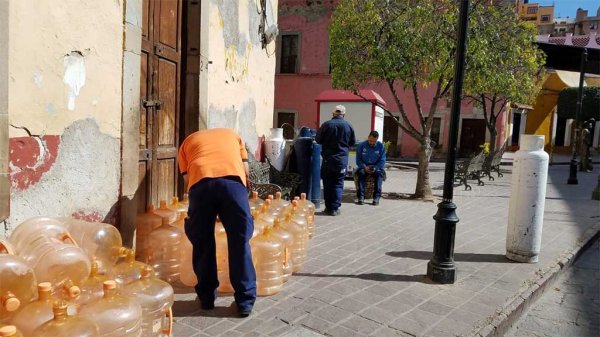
(527, 200)
(275, 148)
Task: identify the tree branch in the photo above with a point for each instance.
(409, 128)
(418, 104)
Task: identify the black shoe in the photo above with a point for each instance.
(244, 312)
(361, 201)
(327, 212)
(336, 212)
(207, 306)
(375, 202)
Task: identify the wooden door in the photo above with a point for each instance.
(472, 136)
(160, 96)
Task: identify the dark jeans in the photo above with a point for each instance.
(362, 178)
(227, 198)
(333, 185)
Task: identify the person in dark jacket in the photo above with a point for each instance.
(336, 136)
(370, 160)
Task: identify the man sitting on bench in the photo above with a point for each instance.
(370, 161)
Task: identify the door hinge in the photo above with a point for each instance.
(157, 104)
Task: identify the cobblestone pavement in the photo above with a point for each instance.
(571, 307)
(364, 275)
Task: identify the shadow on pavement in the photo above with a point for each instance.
(192, 308)
(374, 277)
(464, 257)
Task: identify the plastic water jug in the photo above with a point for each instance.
(127, 270)
(100, 241)
(309, 208)
(186, 268)
(255, 202)
(116, 315)
(17, 283)
(156, 299)
(10, 331)
(92, 287)
(278, 203)
(267, 213)
(65, 325)
(299, 216)
(165, 212)
(300, 239)
(177, 206)
(180, 222)
(287, 240)
(30, 228)
(222, 259)
(63, 264)
(36, 313)
(186, 200)
(163, 251)
(144, 224)
(267, 255)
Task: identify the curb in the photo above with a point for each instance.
(502, 320)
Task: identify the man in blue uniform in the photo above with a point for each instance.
(370, 160)
(336, 136)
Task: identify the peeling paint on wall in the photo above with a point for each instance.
(241, 119)
(74, 76)
(83, 180)
(30, 158)
(236, 66)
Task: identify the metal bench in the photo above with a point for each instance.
(266, 179)
(471, 168)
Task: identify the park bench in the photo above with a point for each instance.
(266, 179)
(494, 165)
(471, 168)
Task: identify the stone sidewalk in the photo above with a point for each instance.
(365, 272)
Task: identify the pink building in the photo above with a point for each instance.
(303, 72)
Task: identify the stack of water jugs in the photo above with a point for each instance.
(89, 285)
(67, 277)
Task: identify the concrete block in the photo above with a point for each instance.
(361, 325)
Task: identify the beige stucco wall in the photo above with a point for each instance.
(65, 66)
(237, 77)
(42, 33)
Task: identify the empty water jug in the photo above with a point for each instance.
(186, 200)
(309, 207)
(165, 212)
(177, 206)
(62, 264)
(92, 287)
(156, 299)
(100, 241)
(144, 224)
(17, 283)
(300, 239)
(267, 255)
(287, 240)
(186, 268)
(10, 331)
(163, 251)
(222, 259)
(36, 313)
(65, 325)
(180, 222)
(255, 202)
(278, 203)
(127, 270)
(116, 315)
(22, 235)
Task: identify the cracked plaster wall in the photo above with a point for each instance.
(238, 85)
(65, 72)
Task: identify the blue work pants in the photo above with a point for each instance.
(333, 185)
(228, 198)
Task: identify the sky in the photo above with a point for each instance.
(564, 8)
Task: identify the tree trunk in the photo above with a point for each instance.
(423, 188)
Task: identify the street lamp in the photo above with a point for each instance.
(573, 168)
(441, 268)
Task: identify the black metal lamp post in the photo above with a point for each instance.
(573, 167)
(441, 268)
